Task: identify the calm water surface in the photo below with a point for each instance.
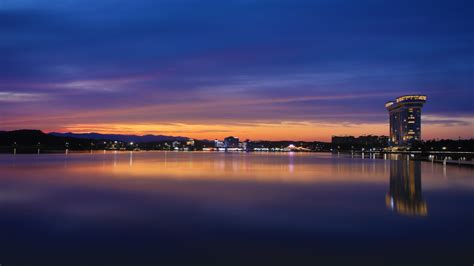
(161, 208)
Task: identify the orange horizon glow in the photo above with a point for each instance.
(244, 117)
(304, 131)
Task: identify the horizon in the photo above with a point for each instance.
(210, 69)
(241, 139)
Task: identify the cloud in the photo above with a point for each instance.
(14, 97)
(226, 62)
(447, 121)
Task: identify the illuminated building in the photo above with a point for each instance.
(218, 144)
(176, 144)
(190, 142)
(405, 119)
(231, 142)
(247, 145)
(405, 195)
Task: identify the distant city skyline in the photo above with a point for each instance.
(273, 70)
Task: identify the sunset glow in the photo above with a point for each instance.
(287, 76)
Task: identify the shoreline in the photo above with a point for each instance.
(433, 157)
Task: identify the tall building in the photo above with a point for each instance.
(405, 119)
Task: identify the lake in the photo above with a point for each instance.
(210, 208)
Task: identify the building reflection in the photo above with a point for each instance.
(405, 195)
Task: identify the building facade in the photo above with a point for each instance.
(231, 142)
(373, 141)
(405, 119)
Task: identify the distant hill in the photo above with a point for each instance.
(118, 137)
(25, 137)
(32, 137)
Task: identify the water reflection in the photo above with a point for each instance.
(184, 208)
(405, 195)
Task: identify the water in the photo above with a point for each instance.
(161, 208)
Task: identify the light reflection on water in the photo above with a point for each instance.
(143, 207)
(405, 195)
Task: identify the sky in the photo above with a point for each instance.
(267, 69)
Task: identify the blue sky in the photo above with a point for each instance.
(221, 67)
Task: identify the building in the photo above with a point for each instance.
(247, 145)
(190, 142)
(366, 141)
(218, 144)
(373, 141)
(176, 144)
(405, 119)
(231, 142)
(343, 140)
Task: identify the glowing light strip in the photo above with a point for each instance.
(411, 98)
